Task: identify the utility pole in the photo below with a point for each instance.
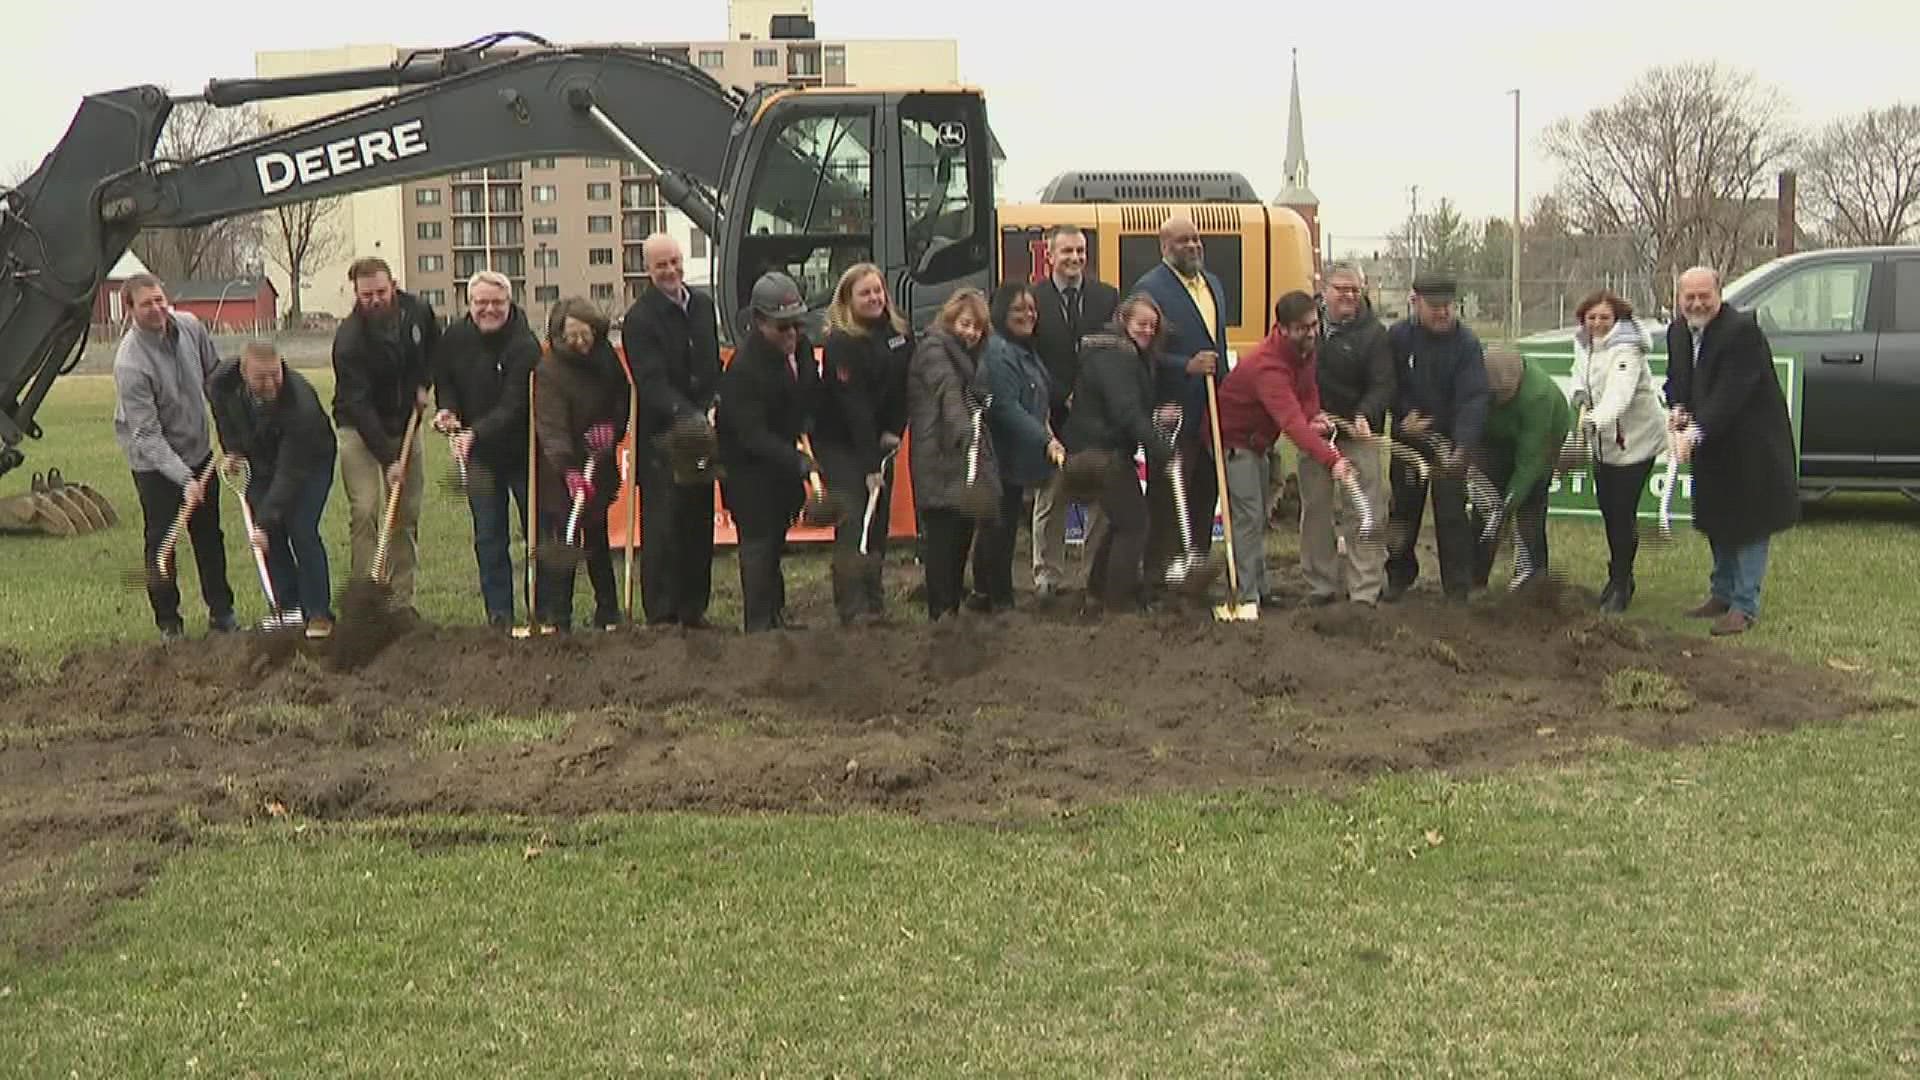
(1413, 238)
(1513, 311)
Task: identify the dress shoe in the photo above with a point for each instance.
(1617, 598)
(1733, 622)
(319, 628)
(1712, 609)
(223, 624)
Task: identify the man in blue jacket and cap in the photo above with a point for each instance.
(1441, 401)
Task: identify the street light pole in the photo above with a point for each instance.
(546, 305)
(1514, 301)
(1413, 238)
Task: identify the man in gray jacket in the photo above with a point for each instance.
(160, 421)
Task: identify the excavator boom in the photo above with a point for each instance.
(804, 181)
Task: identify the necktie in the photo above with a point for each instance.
(1073, 307)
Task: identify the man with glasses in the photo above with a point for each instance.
(480, 380)
(1441, 400)
(1355, 372)
(1273, 392)
(765, 396)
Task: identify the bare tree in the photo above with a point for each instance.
(1678, 163)
(1863, 176)
(299, 236)
(224, 248)
(17, 173)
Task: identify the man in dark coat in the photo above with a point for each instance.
(382, 369)
(480, 372)
(271, 423)
(1071, 305)
(671, 336)
(1730, 419)
(1356, 378)
(1194, 303)
(1442, 391)
(765, 395)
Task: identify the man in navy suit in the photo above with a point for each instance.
(1193, 305)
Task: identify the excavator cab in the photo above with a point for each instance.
(809, 181)
(831, 178)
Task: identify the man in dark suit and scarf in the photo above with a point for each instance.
(1729, 418)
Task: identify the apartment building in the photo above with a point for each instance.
(561, 227)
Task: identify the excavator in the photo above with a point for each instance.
(807, 181)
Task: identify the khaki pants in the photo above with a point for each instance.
(366, 481)
(1323, 509)
(1050, 533)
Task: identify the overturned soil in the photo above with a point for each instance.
(1024, 715)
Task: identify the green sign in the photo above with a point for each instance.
(1572, 493)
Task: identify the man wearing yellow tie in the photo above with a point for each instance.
(1194, 305)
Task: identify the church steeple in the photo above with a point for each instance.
(1296, 193)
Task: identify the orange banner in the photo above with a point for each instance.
(900, 521)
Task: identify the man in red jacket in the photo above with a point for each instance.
(1273, 391)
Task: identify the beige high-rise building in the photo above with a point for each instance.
(564, 227)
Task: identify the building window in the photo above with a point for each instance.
(766, 58)
(435, 298)
(600, 223)
(546, 294)
(697, 245)
(837, 54)
(432, 264)
(545, 193)
(427, 230)
(545, 226)
(541, 163)
(599, 163)
(712, 58)
(803, 63)
(546, 258)
(601, 290)
(599, 192)
(426, 196)
(600, 257)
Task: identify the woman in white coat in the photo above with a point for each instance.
(1619, 404)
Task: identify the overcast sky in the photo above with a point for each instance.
(1396, 94)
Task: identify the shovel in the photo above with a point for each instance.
(367, 619)
(848, 568)
(237, 480)
(570, 551)
(976, 499)
(161, 570)
(1233, 610)
(818, 509)
(1190, 573)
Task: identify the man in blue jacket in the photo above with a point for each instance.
(1442, 400)
(1193, 306)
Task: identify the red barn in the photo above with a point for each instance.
(107, 302)
(240, 305)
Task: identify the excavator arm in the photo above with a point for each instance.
(735, 165)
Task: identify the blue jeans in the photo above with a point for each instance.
(1737, 571)
(487, 493)
(296, 557)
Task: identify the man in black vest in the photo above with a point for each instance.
(1071, 305)
(671, 336)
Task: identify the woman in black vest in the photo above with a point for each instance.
(861, 418)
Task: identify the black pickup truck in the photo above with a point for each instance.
(1853, 317)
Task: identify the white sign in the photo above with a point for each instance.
(280, 170)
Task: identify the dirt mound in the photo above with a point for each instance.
(983, 718)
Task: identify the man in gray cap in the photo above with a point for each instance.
(765, 406)
(1441, 400)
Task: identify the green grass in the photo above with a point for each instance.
(1745, 908)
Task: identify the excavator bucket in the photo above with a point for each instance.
(56, 508)
(77, 498)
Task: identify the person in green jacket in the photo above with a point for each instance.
(1526, 427)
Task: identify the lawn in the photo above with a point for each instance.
(1744, 908)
